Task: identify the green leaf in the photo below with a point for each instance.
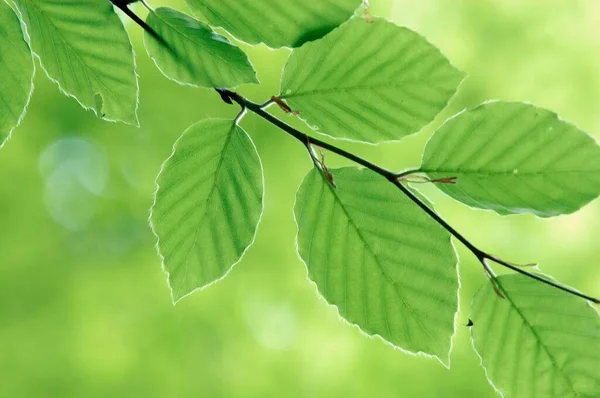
(538, 341)
(274, 22)
(386, 266)
(208, 204)
(515, 158)
(369, 82)
(196, 55)
(16, 72)
(84, 48)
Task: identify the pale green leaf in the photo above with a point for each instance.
(208, 204)
(16, 72)
(84, 48)
(385, 264)
(515, 158)
(537, 342)
(195, 54)
(369, 82)
(274, 22)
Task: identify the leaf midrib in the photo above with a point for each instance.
(72, 50)
(339, 90)
(210, 195)
(508, 172)
(370, 250)
(538, 338)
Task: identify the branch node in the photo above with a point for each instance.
(324, 168)
(284, 107)
(226, 95)
(492, 276)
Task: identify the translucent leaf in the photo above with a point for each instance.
(16, 72)
(369, 82)
(515, 158)
(208, 204)
(84, 48)
(386, 266)
(195, 54)
(538, 341)
(274, 22)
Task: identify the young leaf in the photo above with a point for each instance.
(515, 158)
(538, 341)
(386, 266)
(195, 54)
(369, 82)
(84, 48)
(208, 204)
(16, 72)
(274, 22)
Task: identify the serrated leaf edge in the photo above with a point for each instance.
(28, 101)
(505, 214)
(256, 80)
(377, 336)
(378, 143)
(234, 123)
(485, 371)
(196, 13)
(62, 90)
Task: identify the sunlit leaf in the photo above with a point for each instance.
(385, 265)
(194, 53)
(369, 82)
(16, 72)
(538, 341)
(274, 22)
(515, 158)
(84, 48)
(208, 204)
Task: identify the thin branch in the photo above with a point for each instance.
(123, 6)
(303, 138)
(392, 177)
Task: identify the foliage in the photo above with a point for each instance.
(205, 214)
(374, 247)
(16, 65)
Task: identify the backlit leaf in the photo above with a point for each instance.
(538, 341)
(515, 158)
(208, 204)
(84, 48)
(274, 22)
(369, 82)
(195, 54)
(385, 265)
(16, 72)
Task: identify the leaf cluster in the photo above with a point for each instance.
(372, 244)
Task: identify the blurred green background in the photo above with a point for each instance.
(84, 307)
